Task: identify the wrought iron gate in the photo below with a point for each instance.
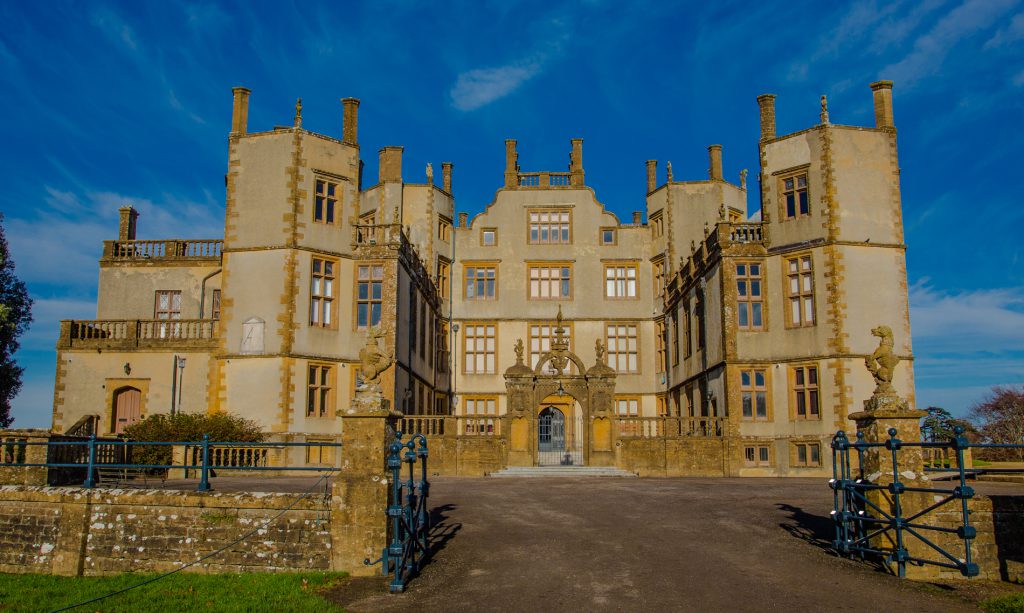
(559, 441)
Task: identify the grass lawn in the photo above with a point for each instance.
(1012, 603)
(179, 592)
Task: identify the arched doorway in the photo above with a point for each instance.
(127, 408)
(560, 435)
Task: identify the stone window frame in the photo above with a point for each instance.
(444, 228)
(532, 355)
(370, 301)
(802, 293)
(749, 300)
(660, 345)
(321, 391)
(781, 176)
(757, 459)
(561, 266)
(753, 389)
(215, 299)
(484, 264)
(656, 220)
(483, 234)
(807, 391)
(330, 212)
(808, 446)
(479, 423)
(636, 398)
(323, 303)
(549, 224)
(444, 277)
(625, 266)
(485, 352)
(616, 352)
(614, 234)
(659, 273)
(661, 405)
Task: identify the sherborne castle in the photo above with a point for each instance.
(689, 339)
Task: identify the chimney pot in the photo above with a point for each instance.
(463, 219)
(576, 162)
(350, 120)
(240, 110)
(128, 223)
(883, 104)
(766, 102)
(652, 175)
(390, 169)
(715, 158)
(638, 218)
(446, 176)
(511, 164)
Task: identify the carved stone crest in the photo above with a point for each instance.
(883, 361)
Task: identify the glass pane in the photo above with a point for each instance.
(741, 270)
(756, 319)
(789, 184)
(749, 452)
(327, 312)
(330, 212)
(794, 285)
(803, 203)
(318, 209)
(764, 454)
(815, 454)
(364, 271)
(808, 310)
(376, 291)
(755, 270)
(801, 404)
(812, 376)
(741, 288)
(748, 409)
(762, 405)
(375, 314)
(801, 181)
(361, 311)
(801, 454)
(759, 378)
(755, 288)
(744, 319)
(790, 206)
(814, 402)
(795, 303)
(745, 378)
(363, 291)
(799, 375)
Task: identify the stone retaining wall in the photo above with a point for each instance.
(73, 531)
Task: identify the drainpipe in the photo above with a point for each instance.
(202, 291)
(174, 384)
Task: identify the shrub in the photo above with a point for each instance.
(187, 427)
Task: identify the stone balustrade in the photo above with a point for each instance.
(162, 250)
(134, 333)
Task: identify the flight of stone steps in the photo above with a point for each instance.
(562, 471)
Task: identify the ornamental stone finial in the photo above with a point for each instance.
(599, 350)
(824, 109)
(743, 179)
(668, 168)
(373, 360)
(519, 351)
(430, 174)
(298, 113)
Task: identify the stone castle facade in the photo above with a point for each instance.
(689, 339)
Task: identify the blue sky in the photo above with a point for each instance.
(107, 104)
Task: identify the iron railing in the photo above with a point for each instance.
(92, 454)
(407, 512)
(863, 528)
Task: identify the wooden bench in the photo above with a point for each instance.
(126, 477)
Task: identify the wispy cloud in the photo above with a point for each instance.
(1008, 35)
(931, 48)
(482, 86)
(983, 320)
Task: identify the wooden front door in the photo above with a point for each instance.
(127, 408)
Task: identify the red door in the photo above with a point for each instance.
(127, 408)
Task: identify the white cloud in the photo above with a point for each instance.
(1010, 34)
(46, 315)
(930, 49)
(115, 28)
(984, 320)
(479, 87)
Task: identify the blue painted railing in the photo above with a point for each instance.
(860, 524)
(92, 463)
(407, 511)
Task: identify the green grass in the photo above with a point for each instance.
(179, 592)
(1013, 603)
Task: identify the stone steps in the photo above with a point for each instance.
(561, 471)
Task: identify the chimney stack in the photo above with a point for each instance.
(638, 218)
(576, 163)
(129, 219)
(883, 104)
(767, 104)
(446, 176)
(349, 120)
(390, 169)
(240, 110)
(511, 164)
(652, 175)
(715, 157)
(463, 219)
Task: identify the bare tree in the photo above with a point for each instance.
(1000, 419)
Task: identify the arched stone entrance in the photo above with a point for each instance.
(583, 397)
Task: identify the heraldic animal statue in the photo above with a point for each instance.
(373, 360)
(883, 361)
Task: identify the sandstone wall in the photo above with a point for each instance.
(71, 531)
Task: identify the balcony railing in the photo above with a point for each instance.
(545, 179)
(128, 334)
(378, 234)
(746, 233)
(172, 249)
